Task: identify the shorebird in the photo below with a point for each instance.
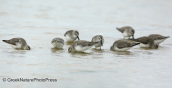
(146, 42)
(99, 39)
(158, 38)
(18, 43)
(71, 35)
(57, 43)
(123, 45)
(127, 31)
(80, 46)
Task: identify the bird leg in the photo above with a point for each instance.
(133, 37)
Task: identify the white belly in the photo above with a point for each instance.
(157, 42)
(70, 39)
(98, 45)
(57, 45)
(144, 45)
(123, 49)
(125, 34)
(81, 49)
(17, 46)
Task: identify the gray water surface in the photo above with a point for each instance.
(39, 21)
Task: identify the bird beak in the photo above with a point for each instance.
(78, 37)
(101, 42)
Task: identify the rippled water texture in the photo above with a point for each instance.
(39, 21)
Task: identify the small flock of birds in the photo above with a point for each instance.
(151, 41)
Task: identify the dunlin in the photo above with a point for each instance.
(18, 43)
(123, 45)
(99, 39)
(146, 42)
(57, 43)
(71, 35)
(127, 31)
(81, 46)
(158, 38)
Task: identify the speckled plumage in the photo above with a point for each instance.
(18, 43)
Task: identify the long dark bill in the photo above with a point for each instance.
(101, 42)
(78, 37)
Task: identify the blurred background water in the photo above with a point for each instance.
(39, 21)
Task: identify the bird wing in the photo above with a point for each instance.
(84, 43)
(157, 36)
(122, 44)
(144, 40)
(14, 41)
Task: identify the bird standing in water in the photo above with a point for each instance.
(158, 38)
(18, 43)
(99, 39)
(57, 43)
(81, 46)
(71, 35)
(146, 42)
(127, 31)
(123, 45)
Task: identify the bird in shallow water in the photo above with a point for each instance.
(99, 39)
(158, 38)
(127, 31)
(146, 42)
(57, 43)
(18, 43)
(81, 46)
(71, 35)
(123, 45)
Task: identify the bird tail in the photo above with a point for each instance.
(167, 37)
(118, 29)
(6, 41)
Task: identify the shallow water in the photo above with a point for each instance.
(39, 21)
